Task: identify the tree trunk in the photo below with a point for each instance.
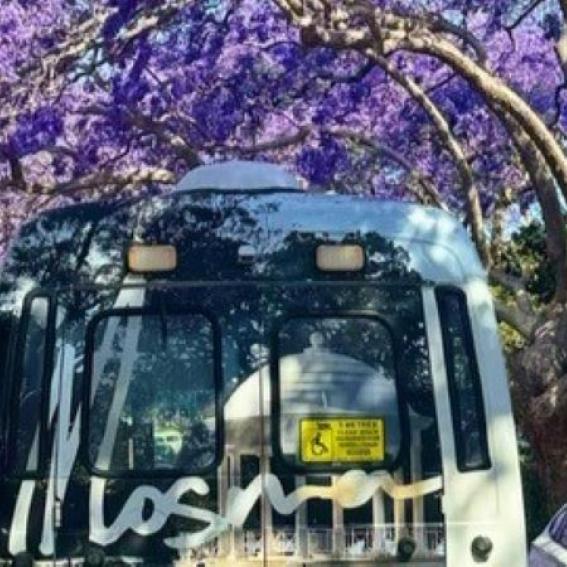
(539, 391)
(544, 187)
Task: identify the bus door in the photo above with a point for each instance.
(150, 444)
(354, 441)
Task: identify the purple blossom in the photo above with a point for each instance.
(224, 80)
(118, 19)
(287, 54)
(129, 90)
(35, 131)
(217, 114)
(319, 164)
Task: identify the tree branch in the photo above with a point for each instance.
(276, 144)
(165, 135)
(426, 190)
(159, 129)
(452, 145)
(110, 179)
(544, 186)
(404, 33)
(503, 201)
(439, 24)
(48, 74)
(517, 287)
(524, 14)
(496, 92)
(520, 322)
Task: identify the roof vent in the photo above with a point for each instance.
(238, 176)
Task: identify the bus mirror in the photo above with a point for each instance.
(152, 258)
(340, 257)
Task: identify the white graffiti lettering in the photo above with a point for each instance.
(163, 506)
(353, 489)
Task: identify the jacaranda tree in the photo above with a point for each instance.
(459, 104)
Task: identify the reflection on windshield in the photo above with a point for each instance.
(154, 393)
(338, 391)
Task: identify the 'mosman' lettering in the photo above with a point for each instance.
(351, 490)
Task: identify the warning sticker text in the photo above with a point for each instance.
(342, 440)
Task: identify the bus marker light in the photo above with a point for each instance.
(246, 254)
(340, 257)
(152, 258)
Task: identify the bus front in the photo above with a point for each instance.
(229, 375)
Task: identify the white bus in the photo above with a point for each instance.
(243, 373)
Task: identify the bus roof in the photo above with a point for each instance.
(437, 246)
(81, 242)
(238, 175)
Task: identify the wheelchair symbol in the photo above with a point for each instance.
(318, 448)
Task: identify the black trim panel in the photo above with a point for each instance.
(16, 375)
(442, 293)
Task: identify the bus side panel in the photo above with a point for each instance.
(481, 505)
(509, 549)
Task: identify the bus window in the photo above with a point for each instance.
(469, 424)
(31, 366)
(338, 401)
(153, 389)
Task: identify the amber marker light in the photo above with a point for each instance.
(143, 258)
(340, 257)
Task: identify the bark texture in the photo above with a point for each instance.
(539, 391)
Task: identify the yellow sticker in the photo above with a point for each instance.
(339, 439)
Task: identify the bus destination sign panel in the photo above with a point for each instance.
(341, 439)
